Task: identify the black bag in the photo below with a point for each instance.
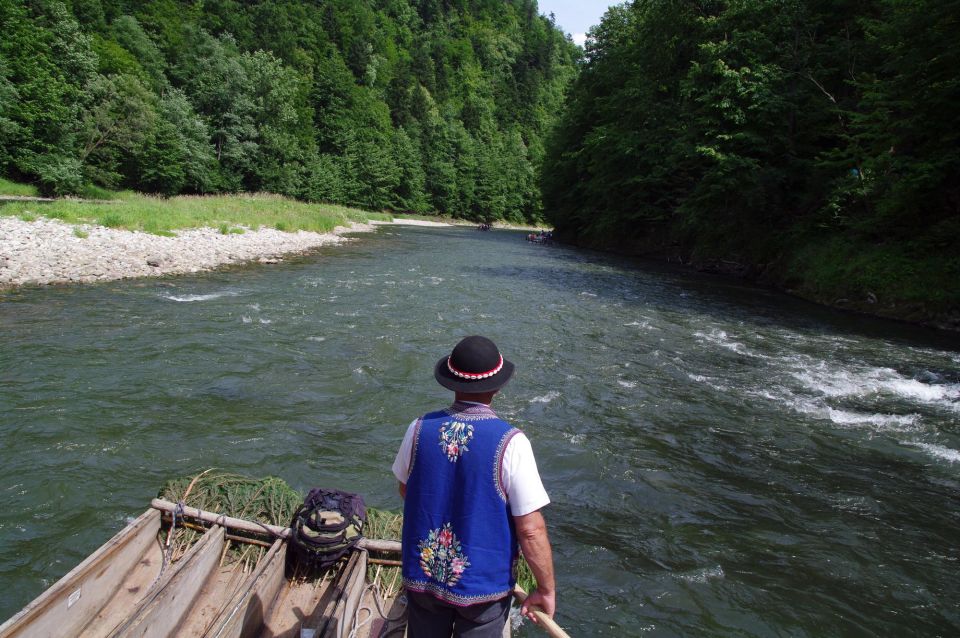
(326, 527)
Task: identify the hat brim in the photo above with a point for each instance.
(452, 382)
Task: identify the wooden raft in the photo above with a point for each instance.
(124, 589)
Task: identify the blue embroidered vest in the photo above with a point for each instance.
(459, 542)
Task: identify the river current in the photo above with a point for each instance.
(723, 460)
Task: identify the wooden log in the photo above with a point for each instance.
(76, 599)
(545, 622)
(370, 544)
(230, 537)
(377, 545)
(224, 521)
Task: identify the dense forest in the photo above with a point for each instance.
(812, 144)
(404, 105)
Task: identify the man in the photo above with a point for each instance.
(472, 494)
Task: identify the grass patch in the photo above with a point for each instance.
(161, 216)
(20, 190)
(227, 229)
(95, 192)
(79, 232)
(112, 220)
(887, 273)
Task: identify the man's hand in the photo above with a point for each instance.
(546, 602)
(532, 536)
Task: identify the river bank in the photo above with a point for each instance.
(856, 278)
(48, 251)
(65, 241)
(43, 251)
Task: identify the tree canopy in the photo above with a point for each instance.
(422, 105)
(812, 142)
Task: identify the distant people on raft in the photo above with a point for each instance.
(541, 237)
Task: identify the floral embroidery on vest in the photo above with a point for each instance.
(454, 437)
(441, 557)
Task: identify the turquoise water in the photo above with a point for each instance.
(723, 460)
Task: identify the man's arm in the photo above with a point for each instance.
(403, 489)
(532, 535)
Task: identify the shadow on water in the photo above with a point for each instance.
(675, 288)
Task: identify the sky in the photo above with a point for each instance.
(576, 16)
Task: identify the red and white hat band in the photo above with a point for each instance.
(470, 376)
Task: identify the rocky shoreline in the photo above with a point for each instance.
(47, 251)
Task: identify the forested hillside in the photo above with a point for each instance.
(421, 105)
(812, 144)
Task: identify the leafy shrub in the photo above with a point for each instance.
(57, 174)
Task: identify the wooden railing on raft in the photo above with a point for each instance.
(371, 544)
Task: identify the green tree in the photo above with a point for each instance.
(128, 33)
(49, 63)
(10, 131)
(177, 156)
(116, 122)
(410, 190)
(906, 129)
(281, 117)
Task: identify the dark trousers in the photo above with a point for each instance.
(428, 617)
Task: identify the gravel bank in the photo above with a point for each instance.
(48, 251)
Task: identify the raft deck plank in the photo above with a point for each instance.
(134, 589)
(244, 615)
(212, 598)
(161, 613)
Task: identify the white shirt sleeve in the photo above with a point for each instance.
(520, 478)
(401, 464)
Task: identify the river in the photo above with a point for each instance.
(723, 460)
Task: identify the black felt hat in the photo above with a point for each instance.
(475, 365)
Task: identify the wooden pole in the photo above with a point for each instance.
(371, 544)
(544, 621)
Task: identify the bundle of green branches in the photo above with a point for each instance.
(384, 525)
(267, 500)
